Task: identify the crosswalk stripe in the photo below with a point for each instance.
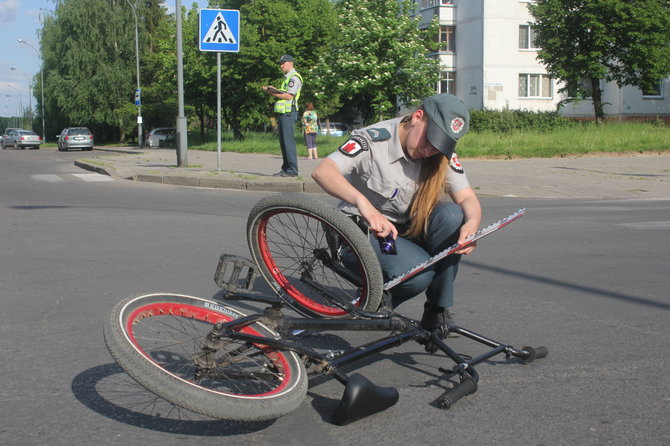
(52, 178)
(92, 177)
(47, 178)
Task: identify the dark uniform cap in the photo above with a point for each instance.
(285, 58)
(448, 120)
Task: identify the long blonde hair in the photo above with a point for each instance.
(432, 188)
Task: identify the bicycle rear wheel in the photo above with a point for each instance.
(158, 339)
(312, 254)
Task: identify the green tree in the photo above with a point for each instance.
(378, 58)
(199, 72)
(157, 64)
(89, 63)
(88, 49)
(268, 29)
(625, 41)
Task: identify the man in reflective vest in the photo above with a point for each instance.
(286, 109)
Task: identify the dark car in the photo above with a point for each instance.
(21, 139)
(75, 138)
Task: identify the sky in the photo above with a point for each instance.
(20, 19)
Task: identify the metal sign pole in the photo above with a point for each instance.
(218, 112)
(219, 31)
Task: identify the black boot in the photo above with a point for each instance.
(435, 318)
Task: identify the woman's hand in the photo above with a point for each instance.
(472, 211)
(468, 229)
(379, 224)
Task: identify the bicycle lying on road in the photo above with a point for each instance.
(210, 358)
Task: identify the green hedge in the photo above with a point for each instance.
(508, 120)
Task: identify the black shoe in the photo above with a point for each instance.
(288, 174)
(281, 173)
(435, 319)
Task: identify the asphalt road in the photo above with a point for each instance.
(586, 278)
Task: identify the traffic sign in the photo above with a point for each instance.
(219, 30)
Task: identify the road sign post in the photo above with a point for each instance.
(219, 32)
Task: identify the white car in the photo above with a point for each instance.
(334, 129)
(162, 136)
(21, 139)
(75, 138)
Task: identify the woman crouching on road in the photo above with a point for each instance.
(394, 176)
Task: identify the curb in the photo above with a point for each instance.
(210, 183)
(96, 169)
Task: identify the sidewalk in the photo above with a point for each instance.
(599, 177)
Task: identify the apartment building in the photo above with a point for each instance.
(488, 58)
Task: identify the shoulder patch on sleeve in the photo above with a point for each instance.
(455, 163)
(355, 145)
(378, 134)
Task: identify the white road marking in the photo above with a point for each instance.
(92, 177)
(47, 178)
(647, 225)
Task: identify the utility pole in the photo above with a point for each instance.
(44, 131)
(30, 95)
(182, 137)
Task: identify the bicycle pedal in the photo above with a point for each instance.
(234, 273)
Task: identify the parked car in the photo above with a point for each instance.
(2, 137)
(334, 129)
(162, 136)
(75, 138)
(21, 139)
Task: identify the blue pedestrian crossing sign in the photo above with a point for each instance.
(219, 30)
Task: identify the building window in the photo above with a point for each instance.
(447, 82)
(526, 37)
(654, 92)
(584, 90)
(447, 38)
(430, 3)
(534, 86)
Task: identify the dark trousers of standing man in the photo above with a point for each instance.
(287, 141)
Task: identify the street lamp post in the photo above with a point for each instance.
(140, 141)
(20, 101)
(44, 131)
(17, 122)
(30, 102)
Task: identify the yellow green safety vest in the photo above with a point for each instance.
(286, 105)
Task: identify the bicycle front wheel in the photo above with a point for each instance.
(159, 340)
(313, 255)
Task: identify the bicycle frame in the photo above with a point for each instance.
(361, 398)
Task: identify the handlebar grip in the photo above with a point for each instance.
(535, 353)
(541, 352)
(451, 396)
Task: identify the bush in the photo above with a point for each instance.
(508, 120)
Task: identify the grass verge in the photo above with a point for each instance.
(574, 140)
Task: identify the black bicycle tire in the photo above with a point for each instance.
(302, 204)
(155, 378)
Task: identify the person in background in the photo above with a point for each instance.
(286, 109)
(310, 124)
(393, 179)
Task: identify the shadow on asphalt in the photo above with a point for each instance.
(545, 280)
(107, 390)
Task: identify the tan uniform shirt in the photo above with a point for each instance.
(373, 161)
